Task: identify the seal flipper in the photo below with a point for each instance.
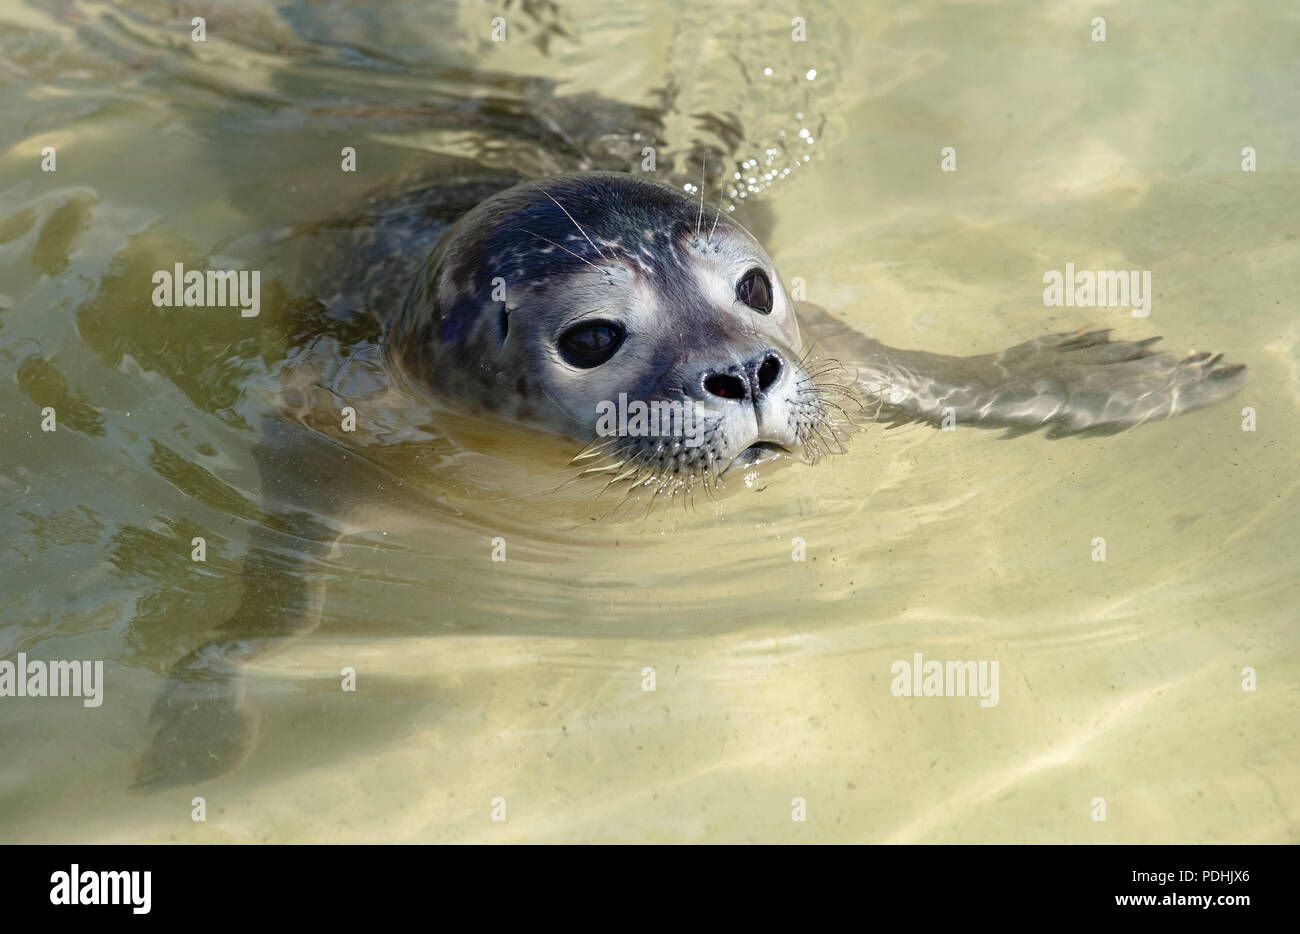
(1074, 383)
(205, 725)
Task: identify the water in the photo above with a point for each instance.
(523, 679)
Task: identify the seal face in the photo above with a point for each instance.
(615, 310)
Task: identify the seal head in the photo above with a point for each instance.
(604, 307)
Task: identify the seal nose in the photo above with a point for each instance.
(725, 386)
(750, 380)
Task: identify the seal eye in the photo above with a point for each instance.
(755, 290)
(590, 343)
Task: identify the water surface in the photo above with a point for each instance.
(523, 679)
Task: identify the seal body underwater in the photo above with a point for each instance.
(553, 299)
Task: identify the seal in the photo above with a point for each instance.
(552, 299)
(583, 304)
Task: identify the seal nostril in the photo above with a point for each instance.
(769, 372)
(725, 386)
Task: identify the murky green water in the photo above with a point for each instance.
(523, 679)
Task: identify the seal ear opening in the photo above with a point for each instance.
(503, 322)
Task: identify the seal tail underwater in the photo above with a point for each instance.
(1076, 383)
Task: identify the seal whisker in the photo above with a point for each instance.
(803, 357)
(594, 449)
(587, 455)
(823, 367)
(838, 443)
(717, 215)
(699, 218)
(823, 390)
(839, 386)
(828, 404)
(821, 382)
(633, 471)
(575, 223)
(827, 363)
(564, 248)
(668, 478)
(605, 468)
